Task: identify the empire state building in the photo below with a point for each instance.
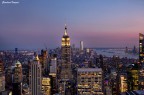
(66, 72)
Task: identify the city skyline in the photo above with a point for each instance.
(35, 24)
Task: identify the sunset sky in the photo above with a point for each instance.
(32, 24)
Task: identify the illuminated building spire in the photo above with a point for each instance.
(36, 58)
(65, 33)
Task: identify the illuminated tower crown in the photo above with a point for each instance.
(65, 38)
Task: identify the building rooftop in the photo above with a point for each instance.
(18, 63)
(89, 70)
(36, 58)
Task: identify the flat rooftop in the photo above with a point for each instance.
(89, 70)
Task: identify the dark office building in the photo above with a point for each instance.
(141, 48)
(17, 79)
(16, 50)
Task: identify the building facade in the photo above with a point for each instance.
(53, 75)
(141, 60)
(133, 77)
(44, 62)
(123, 83)
(17, 79)
(2, 77)
(46, 86)
(141, 48)
(35, 77)
(89, 81)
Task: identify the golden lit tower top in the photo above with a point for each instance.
(65, 38)
(36, 58)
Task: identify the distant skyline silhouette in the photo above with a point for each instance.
(33, 24)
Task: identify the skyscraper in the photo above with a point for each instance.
(8, 77)
(66, 71)
(141, 48)
(141, 60)
(2, 77)
(81, 46)
(44, 62)
(66, 57)
(17, 76)
(35, 77)
(17, 79)
(53, 74)
(16, 50)
(53, 67)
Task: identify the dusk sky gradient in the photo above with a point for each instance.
(98, 23)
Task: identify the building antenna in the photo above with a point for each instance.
(45, 46)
